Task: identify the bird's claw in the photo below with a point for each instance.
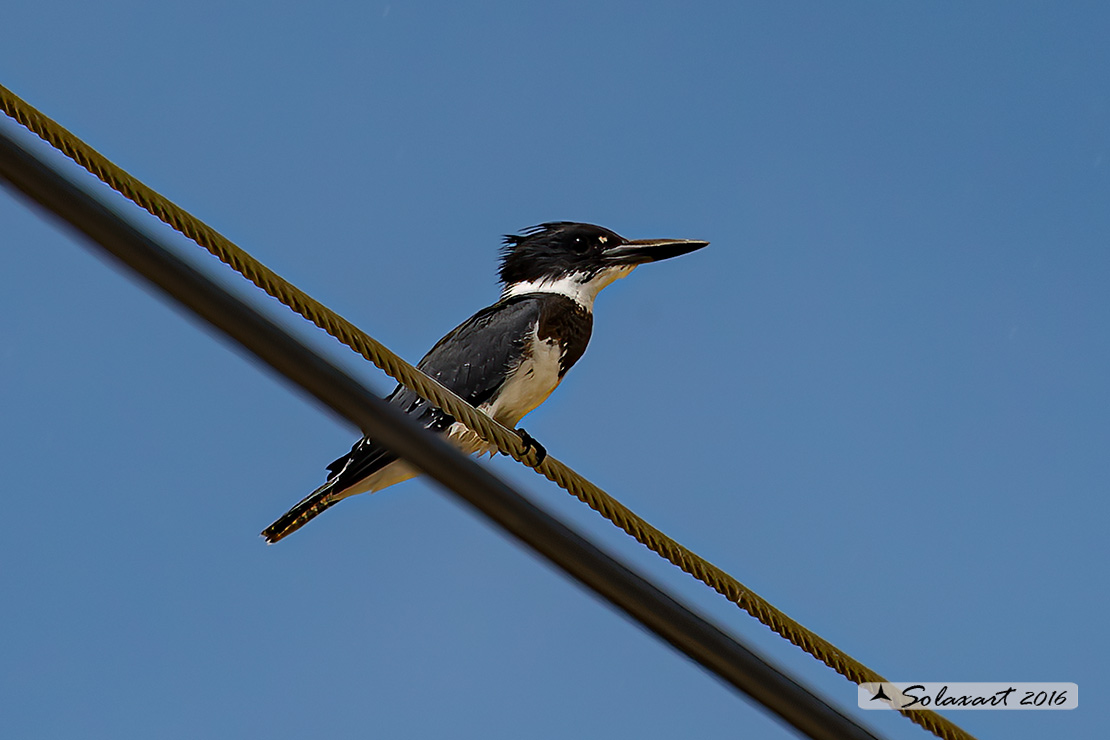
(531, 445)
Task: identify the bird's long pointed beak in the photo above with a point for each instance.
(639, 251)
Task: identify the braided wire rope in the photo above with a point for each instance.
(507, 441)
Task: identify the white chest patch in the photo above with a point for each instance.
(530, 385)
(527, 388)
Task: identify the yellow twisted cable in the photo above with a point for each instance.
(506, 440)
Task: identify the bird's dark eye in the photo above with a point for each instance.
(580, 244)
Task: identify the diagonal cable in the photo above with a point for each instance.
(506, 440)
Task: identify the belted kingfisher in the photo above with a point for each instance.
(507, 358)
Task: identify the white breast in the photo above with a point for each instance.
(530, 385)
(526, 389)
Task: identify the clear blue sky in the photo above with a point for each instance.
(880, 398)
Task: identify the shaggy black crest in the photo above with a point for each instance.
(552, 249)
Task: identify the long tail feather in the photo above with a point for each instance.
(301, 514)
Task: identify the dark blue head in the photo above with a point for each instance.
(561, 249)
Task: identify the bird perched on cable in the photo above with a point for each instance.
(507, 358)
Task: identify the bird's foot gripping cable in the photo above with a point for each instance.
(531, 445)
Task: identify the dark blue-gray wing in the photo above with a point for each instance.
(472, 361)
